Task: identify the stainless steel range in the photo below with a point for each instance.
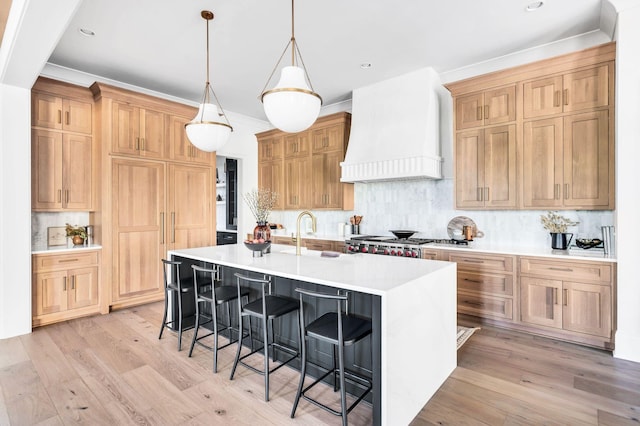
(391, 246)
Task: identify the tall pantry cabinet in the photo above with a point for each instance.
(156, 192)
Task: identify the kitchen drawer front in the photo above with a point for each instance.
(319, 245)
(497, 284)
(482, 263)
(287, 241)
(576, 271)
(64, 261)
(485, 306)
(431, 254)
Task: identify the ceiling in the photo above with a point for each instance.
(160, 44)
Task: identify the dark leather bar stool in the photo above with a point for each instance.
(209, 294)
(266, 308)
(173, 284)
(341, 330)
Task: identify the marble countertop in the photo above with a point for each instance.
(44, 249)
(364, 273)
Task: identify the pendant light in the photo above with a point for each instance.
(206, 131)
(292, 106)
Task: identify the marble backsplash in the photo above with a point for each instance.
(41, 221)
(427, 206)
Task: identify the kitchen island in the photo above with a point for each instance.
(412, 305)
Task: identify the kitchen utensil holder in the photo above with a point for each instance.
(355, 229)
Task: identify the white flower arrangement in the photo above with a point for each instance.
(555, 223)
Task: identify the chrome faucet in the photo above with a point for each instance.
(298, 238)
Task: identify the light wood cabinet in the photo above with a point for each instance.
(61, 166)
(568, 162)
(570, 92)
(55, 112)
(138, 131)
(575, 297)
(180, 148)
(310, 243)
(306, 166)
(486, 168)
(65, 286)
(485, 284)
(485, 108)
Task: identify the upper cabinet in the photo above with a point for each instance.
(180, 148)
(62, 149)
(138, 131)
(538, 136)
(304, 168)
(574, 91)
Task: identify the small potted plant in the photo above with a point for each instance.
(557, 226)
(77, 234)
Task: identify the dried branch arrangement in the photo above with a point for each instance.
(261, 202)
(555, 223)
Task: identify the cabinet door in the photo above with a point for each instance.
(297, 183)
(469, 111)
(328, 139)
(125, 138)
(586, 160)
(271, 176)
(50, 295)
(152, 134)
(181, 149)
(540, 301)
(270, 148)
(297, 145)
(77, 175)
(500, 105)
(587, 308)
(542, 97)
(46, 111)
(138, 190)
(470, 169)
(46, 169)
(500, 167)
(586, 89)
(83, 287)
(325, 176)
(542, 163)
(191, 213)
(77, 116)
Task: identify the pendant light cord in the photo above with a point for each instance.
(293, 37)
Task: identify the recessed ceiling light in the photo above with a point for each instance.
(86, 32)
(365, 65)
(534, 6)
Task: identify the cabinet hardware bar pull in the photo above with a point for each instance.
(66, 192)
(59, 195)
(565, 297)
(479, 113)
(142, 140)
(473, 281)
(73, 282)
(486, 112)
(173, 227)
(469, 302)
(566, 96)
(66, 118)
(473, 260)
(137, 144)
(566, 191)
(555, 296)
(556, 100)
(162, 227)
(68, 260)
(557, 191)
(60, 116)
(64, 284)
(561, 269)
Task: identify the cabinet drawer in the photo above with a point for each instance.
(64, 261)
(582, 271)
(498, 284)
(287, 241)
(485, 306)
(481, 263)
(318, 244)
(431, 254)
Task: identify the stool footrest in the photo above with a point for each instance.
(294, 354)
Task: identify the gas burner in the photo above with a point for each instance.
(452, 242)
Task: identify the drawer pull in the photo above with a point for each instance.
(473, 260)
(68, 260)
(555, 296)
(565, 297)
(473, 281)
(469, 302)
(561, 269)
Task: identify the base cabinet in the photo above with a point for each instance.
(65, 286)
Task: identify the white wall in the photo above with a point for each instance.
(628, 192)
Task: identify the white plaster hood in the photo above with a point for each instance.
(395, 130)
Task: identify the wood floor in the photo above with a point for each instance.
(112, 369)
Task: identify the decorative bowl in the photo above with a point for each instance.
(585, 243)
(258, 248)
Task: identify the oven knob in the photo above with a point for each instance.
(393, 252)
(364, 249)
(386, 251)
(400, 253)
(407, 253)
(414, 253)
(374, 250)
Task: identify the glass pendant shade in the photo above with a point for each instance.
(291, 106)
(205, 131)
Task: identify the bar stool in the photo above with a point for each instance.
(173, 283)
(266, 308)
(341, 330)
(207, 293)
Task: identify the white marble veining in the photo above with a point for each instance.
(417, 313)
(40, 221)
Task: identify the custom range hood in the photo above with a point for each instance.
(395, 130)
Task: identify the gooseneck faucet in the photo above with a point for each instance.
(298, 238)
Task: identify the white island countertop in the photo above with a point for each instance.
(415, 323)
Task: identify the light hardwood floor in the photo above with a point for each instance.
(113, 370)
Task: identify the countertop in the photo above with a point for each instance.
(364, 273)
(62, 249)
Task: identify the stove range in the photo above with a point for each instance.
(391, 246)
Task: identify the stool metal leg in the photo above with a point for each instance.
(164, 317)
(266, 360)
(343, 394)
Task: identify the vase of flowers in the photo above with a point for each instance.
(77, 234)
(261, 202)
(557, 226)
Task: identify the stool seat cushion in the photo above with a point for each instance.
(185, 283)
(326, 328)
(276, 306)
